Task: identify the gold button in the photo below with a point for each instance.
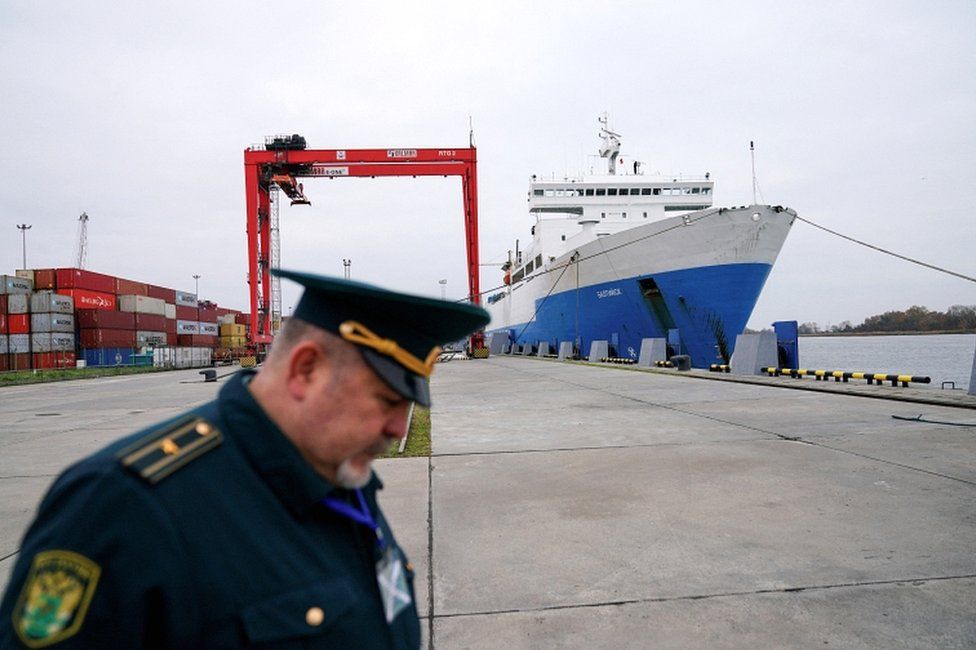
(314, 616)
(203, 428)
(169, 447)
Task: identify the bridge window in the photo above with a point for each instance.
(600, 191)
(550, 193)
(612, 191)
(538, 261)
(529, 267)
(539, 192)
(589, 191)
(634, 191)
(645, 191)
(706, 190)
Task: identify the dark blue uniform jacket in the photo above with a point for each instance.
(232, 549)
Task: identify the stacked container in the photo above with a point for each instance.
(15, 332)
(52, 330)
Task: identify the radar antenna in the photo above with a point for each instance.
(611, 145)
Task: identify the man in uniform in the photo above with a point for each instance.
(251, 520)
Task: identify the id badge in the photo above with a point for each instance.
(392, 579)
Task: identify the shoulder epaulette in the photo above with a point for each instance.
(164, 450)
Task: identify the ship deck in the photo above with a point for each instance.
(574, 505)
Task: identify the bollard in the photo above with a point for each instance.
(598, 350)
(209, 375)
(565, 350)
(681, 361)
(652, 351)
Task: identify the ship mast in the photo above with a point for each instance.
(611, 145)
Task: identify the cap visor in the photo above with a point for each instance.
(404, 382)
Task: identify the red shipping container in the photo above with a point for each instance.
(85, 299)
(170, 327)
(186, 313)
(171, 338)
(3, 303)
(20, 361)
(150, 322)
(4, 363)
(169, 295)
(54, 360)
(3, 323)
(106, 338)
(125, 287)
(242, 319)
(197, 340)
(18, 324)
(45, 279)
(81, 279)
(105, 319)
(208, 316)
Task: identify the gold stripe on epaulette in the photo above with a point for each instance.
(167, 449)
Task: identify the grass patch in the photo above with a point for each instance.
(418, 439)
(21, 377)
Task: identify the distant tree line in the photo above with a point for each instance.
(913, 319)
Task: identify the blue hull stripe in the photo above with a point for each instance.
(708, 305)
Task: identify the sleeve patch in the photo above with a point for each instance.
(55, 597)
(166, 450)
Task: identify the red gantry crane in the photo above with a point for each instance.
(284, 159)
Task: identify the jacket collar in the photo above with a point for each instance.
(275, 458)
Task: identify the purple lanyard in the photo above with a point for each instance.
(360, 515)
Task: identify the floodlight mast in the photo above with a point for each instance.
(284, 159)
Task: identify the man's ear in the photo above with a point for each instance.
(305, 365)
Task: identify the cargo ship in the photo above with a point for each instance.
(623, 255)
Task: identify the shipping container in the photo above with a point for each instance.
(11, 284)
(233, 342)
(209, 329)
(142, 305)
(4, 363)
(170, 310)
(18, 343)
(19, 361)
(82, 279)
(185, 299)
(105, 318)
(27, 274)
(151, 322)
(149, 339)
(18, 324)
(18, 303)
(207, 316)
(3, 303)
(186, 313)
(106, 338)
(45, 279)
(197, 340)
(108, 356)
(87, 299)
(233, 329)
(172, 338)
(52, 342)
(3, 344)
(187, 327)
(125, 287)
(52, 323)
(243, 319)
(54, 360)
(3, 323)
(48, 302)
(164, 294)
(170, 327)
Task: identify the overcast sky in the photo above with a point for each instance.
(863, 114)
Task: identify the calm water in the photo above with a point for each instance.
(943, 357)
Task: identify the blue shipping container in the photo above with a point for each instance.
(100, 357)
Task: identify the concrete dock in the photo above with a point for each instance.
(575, 506)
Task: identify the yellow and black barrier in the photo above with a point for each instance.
(845, 376)
(719, 367)
(664, 364)
(623, 360)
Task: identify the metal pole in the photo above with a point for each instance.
(196, 285)
(23, 228)
(443, 284)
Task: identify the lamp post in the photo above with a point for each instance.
(443, 284)
(23, 228)
(196, 285)
(346, 264)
